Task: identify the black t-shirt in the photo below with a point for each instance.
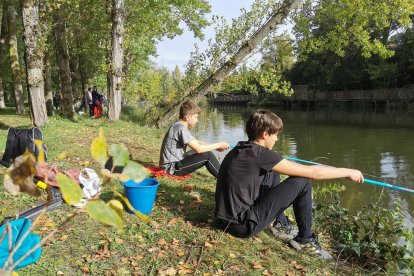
(240, 176)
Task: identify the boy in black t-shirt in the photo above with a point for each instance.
(249, 194)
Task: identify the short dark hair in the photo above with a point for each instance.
(263, 120)
(189, 108)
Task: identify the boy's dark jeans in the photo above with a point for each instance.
(273, 200)
(193, 161)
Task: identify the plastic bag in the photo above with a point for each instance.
(91, 182)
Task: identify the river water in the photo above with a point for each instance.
(379, 143)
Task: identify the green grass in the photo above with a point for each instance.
(179, 238)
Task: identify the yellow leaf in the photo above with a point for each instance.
(180, 253)
(41, 156)
(61, 156)
(64, 238)
(71, 191)
(99, 148)
(232, 256)
(207, 244)
(117, 206)
(129, 205)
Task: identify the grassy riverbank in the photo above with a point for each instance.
(179, 238)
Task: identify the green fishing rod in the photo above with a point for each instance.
(366, 180)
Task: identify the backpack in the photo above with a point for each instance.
(18, 140)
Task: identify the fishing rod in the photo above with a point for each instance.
(366, 180)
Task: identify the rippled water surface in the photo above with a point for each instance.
(379, 143)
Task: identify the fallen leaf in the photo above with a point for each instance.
(266, 273)
(154, 249)
(172, 222)
(175, 242)
(171, 271)
(196, 196)
(162, 242)
(64, 238)
(258, 240)
(119, 241)
(139, 257)
(182, 202)
(124, 260)
(290, 273)
(232, 256)
(207, 244)
(140, 238)
(180, 253)
(256, 265)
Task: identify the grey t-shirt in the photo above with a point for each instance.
(174, 146)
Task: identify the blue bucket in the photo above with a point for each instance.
(141, 194)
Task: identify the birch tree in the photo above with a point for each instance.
(34, 61)
(238, 44)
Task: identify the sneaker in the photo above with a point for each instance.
(310, 246)
(284, 232)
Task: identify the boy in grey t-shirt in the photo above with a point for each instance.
(173, 156)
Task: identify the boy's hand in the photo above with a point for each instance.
(356, 176)
(223, 146)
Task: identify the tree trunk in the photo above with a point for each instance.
(74, 67)
(34, 61)
(14, 57)
(82, 73)
(48, 85)
(2, 47)
(63, 63)
(116, 63)
(246, 48)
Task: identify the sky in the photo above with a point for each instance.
(177, 51)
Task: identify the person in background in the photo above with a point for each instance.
(173, 156)
(89, 99)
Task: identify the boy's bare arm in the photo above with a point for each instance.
(317, 172)
(200, 146)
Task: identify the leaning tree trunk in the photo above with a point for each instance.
(116, 63)
(59, 29)
(14, 57)
(48, 84)
(34, 61)
(247, 47)
(2, 47)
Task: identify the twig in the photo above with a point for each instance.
(10, 236)
(199, 259)
(46, 238)
(10, 258)
(380, 196)
(337, 260)
(3, 235)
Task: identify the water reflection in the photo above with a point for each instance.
(380, 144)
